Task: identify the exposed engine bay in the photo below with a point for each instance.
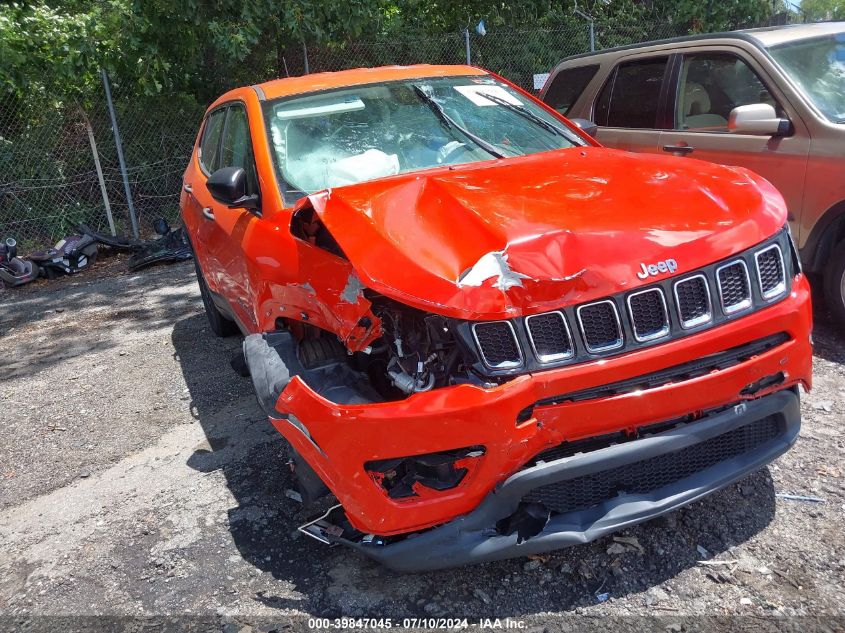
(416, 352)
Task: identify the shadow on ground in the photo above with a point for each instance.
(335, 581)
(66, 318)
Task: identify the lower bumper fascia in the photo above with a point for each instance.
(474, 538)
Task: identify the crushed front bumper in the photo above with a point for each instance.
(337, 433)
(474, 538)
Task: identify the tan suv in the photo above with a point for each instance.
(771, 100)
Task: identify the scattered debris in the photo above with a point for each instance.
(481, 595)
(616, 567)
(631, 541)
(543, 558)
(824, 405)
(721, 578)
(173, 246)
(803, 498)
(829, 471)
(602, 597)
(745, 601)
(787, 578)
(15, 271)
(70, 255)
(531, 565)
(701, 550)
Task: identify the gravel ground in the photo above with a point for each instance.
(139, 478)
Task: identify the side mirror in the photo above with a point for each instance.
(228, 186)
(758, 118)
(589, 127)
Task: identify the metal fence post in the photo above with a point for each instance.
(120, 159)
(592, 22)
(466, 41)
(305, 57)
(100, 178)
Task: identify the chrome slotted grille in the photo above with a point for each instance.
(549, 335)
(693, 297)
(600, 326)
(497, 342)
(770, 272)
(734, 287)
(670, 307)
(649, 316)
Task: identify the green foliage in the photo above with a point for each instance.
(823, 9)
(53, 48)
(168, 59)
(703, 16)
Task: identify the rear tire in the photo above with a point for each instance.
(220, 325)
(834, 285)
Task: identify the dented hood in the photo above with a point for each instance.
(523, 235)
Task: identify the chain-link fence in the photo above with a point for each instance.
(59, 162)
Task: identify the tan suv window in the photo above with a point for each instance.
(631, 96)
(568, 85)
(710, 86)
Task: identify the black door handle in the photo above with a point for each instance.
(678, 149)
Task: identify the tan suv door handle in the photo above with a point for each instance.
(208, 213)
(679, 149)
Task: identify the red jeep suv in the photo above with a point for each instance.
(482, 334)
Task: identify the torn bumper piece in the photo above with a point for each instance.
(761, 430)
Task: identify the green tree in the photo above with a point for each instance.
(702, 16)
(823, 9)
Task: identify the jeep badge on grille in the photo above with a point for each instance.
(665, 266)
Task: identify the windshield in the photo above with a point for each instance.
(336, 138)
(817, 65)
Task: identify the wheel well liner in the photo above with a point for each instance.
(826, 234)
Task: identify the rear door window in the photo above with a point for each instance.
(210, 143)
(567, 86)
(631, 97)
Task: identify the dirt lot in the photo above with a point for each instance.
(138, 477)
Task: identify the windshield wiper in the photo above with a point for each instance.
(450, 123)
(526, 113)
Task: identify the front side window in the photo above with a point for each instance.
(210, 143)
(817, 66)
(713, 84)
(567, 86)
(340, 137)
(631, 97)
(236, 148)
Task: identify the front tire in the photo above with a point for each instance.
(834, 284)
(220, 325)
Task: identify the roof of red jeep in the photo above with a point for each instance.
(359, 76)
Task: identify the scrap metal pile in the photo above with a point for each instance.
(77, 252)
